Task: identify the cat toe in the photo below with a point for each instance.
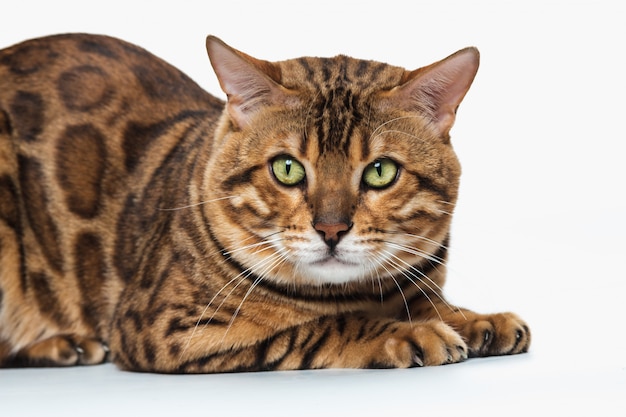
(497, 334)
(62, 350)
(91, 352)
(427, 344)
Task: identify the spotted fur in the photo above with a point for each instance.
(142, 219)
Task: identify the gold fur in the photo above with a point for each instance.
(143, 220)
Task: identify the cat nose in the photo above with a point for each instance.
(332, 232)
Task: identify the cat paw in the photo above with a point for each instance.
(63, 350)
(426, 344)
(496, 334)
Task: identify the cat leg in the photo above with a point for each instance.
(348, 341)
(485, 334)
(61, 350)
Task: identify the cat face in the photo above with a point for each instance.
(333, 170)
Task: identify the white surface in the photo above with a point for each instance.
(539, 228)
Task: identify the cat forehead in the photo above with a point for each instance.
(339, 72)
(335, 98)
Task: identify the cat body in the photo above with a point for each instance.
(302, 224)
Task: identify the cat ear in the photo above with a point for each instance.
(249, 83)
(438, 89)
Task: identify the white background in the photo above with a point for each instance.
(539, 228)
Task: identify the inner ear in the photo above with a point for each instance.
(437, 90)
(249, 83)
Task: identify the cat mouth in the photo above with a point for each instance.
(322, 266)
(332, 261)
(331, 269)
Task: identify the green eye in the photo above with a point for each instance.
(287, 170)
(380, 173)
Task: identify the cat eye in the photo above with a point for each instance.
(288, 170)
(380, 173)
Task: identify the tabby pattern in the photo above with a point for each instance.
(302, 224)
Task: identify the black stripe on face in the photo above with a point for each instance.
(426, 183)
(335, 119)
(240, 178)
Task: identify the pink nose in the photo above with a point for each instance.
(331, 232)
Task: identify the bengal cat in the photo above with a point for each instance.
(302, 224)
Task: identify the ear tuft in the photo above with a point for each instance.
(249, 83)
(438, 89)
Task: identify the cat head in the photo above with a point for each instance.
(333, 170)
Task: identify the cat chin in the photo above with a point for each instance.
(332, 271)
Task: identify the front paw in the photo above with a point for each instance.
(425, 344)
(496, 334)
(63, 350)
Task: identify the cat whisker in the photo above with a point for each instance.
(452, 206)
(381, 262)
(277, 260)
(446, 202)
(262, 239)
(388, 122)
(425, 255)
(377, 280)
(198, 204)
(206, 308)
(415, 251)
(400, 132)
(431, 258)
(422, 278)
(375, 277)
(419, 237)
(266, 243)
(241, 277)
(406, 273)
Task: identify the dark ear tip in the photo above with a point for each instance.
(212, 40)
(468, 58)
(472, 51)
